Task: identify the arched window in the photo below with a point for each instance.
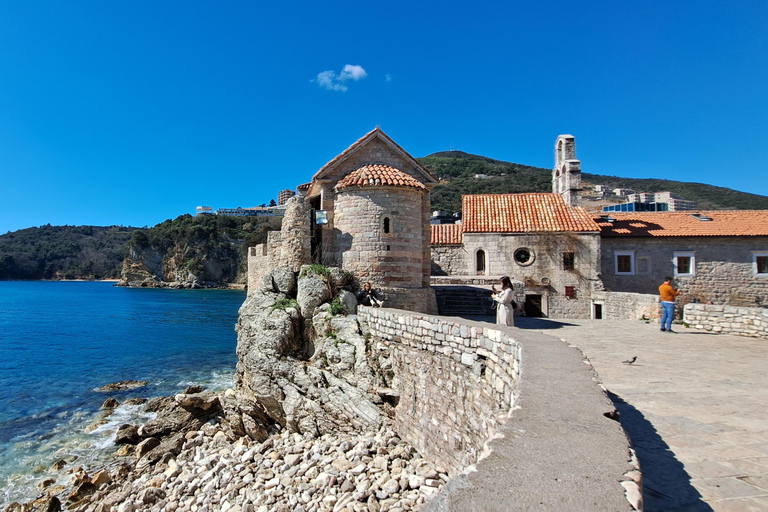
(480, 262)
(386, 225)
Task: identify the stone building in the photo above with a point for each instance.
(715, 256)
(366, 211)
(536, 239)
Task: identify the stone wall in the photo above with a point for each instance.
(628, 306)
(452, 380)
(392, 259)
(724, 267)
(722, 319)
(449, 260)
(544, 273)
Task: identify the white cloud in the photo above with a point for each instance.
(388, 77)
(333, 82)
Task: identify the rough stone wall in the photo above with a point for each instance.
(296, 235)
(722, 319)
(724, 273)
(628, 306)
(448, 260)
(388, 260)
(547, 262)
(452, 379)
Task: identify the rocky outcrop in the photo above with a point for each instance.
(302, 359)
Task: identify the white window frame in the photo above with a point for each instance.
(684, 254)
(755, 255)
(616, 255)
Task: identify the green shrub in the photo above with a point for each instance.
(285, 303)
(336, 307)
(317, 269)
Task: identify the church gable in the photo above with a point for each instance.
(375, 148)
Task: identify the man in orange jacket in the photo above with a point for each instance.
(668, 294)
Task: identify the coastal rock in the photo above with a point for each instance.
(135, 401)
(313, 290)
(110, 403)
(191, 390)
(198, 403)
(146, 446)
(348, 302)
(121, 386)
(127, 434)
(81, 491)
(280, 280)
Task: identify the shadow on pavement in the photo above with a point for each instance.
(666, 485)
(525, 322)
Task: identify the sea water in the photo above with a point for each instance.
(61, 340)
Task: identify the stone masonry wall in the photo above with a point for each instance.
(263, 258)
(449, 260)
(724, 268)
(628, 306)
(391, 259)
(722, 319)
(453, 381)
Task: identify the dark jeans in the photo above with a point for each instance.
(667, 314)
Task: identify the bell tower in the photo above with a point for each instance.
(566, 176)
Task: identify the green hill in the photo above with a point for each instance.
(64, 252)
(457, 171)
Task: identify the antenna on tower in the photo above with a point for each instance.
(451, 145)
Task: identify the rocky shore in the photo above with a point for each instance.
(308, 427)
(189, 458)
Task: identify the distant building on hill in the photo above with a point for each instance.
(673, 202)
(284, 196)
(204, 210)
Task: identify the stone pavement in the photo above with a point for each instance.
(694, 404)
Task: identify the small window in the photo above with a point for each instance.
(625, 262)
(480, 262)
(523, 256)
(569, 261)
(760, 263)
(386, 225)
(570, 292)
(685, 264)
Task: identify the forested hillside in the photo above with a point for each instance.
(192, 252)
(458, 170)
(64, 252)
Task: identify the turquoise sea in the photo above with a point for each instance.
(60, 340)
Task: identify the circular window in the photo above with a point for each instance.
(523, 256)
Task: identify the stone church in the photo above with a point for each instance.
(366, 211)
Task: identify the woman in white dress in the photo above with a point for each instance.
(505, 306)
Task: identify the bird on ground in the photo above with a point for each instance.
(630, 361)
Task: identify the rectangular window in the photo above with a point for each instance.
(685, 264)
(760, 263)
(569, 261)
(570, 292)
(625, 262)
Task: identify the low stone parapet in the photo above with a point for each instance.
(741, 321)
(453, 379)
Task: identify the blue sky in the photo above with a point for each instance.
(134, 112)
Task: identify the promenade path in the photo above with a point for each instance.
(694, 404)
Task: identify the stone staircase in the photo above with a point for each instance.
(457, 300)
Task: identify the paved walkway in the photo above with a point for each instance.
(695, 406)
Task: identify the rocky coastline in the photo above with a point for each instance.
(308, 426)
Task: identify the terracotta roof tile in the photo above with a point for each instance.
(304, 186)
(446, 234)
(378, 176)
(523, 213)
(660, 224)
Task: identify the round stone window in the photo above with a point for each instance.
(523, 256)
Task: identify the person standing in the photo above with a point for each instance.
(668, 294)
(505, 306)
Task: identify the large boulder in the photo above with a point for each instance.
(313, 290)
(280, 280)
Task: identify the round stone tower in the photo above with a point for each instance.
(380, 218)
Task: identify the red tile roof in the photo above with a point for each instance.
(523, 213)
(446, 234)
(659, 224)
(304, 186)
(378, 176)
